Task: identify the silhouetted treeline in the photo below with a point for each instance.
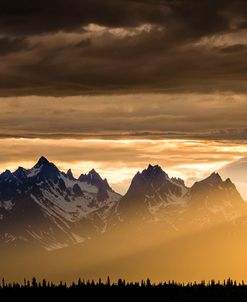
(121, 290)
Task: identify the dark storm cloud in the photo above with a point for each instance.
(36, 16)
(52, 48)
(9, 45)
(234, 48)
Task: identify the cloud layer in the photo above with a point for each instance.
(118, 71)
(75, 47)
(150, 116)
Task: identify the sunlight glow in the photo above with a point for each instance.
(119, 160)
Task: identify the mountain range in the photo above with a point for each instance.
(45, 207)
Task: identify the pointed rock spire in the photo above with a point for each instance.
(94, 178)
(93, 173)
(70, 174)
(20, 172)
(154, 172)
(44, 169)
(152, 176)
(228, 183)
(154, 168)
(6, 174)
(42, 160)
(213, 178)
(178, 181)
(212, 181)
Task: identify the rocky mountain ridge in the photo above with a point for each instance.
(46, 207)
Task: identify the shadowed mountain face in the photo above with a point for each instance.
(213, 192)
(43, 206)
(150, 191)
(94, 179)
(154, 196)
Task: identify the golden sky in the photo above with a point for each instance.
(153, 82)
(119, 159)
(189, 135)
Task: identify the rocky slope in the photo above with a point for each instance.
(50, 208)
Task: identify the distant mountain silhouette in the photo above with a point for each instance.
(46, 207)
(154, 196)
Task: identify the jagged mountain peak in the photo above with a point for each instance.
(91, 173)
(151, 188)
(215, 192)
(94, 178)
(43, 204)
(154, 168)
(6, 174)
(44, 163)
(154, 172)
(94, 173)
(178, 181)
(20, 172)
(70, 175)
(20, 169)
(42, 160)
(229, 184)
(214, 177)
(55, 201)
(228, 181)
(213, 180)
(44, 169)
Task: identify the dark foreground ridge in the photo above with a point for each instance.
(123, 291)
